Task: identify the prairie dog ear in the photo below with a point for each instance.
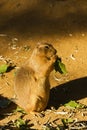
(39, 43)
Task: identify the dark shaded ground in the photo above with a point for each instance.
(72, 90)
(45, 17)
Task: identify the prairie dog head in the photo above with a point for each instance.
(43, 57)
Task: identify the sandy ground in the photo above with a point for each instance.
(62, 23)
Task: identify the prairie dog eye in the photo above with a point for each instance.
(46, 47)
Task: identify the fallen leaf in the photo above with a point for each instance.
(67, 121)
(74, 104)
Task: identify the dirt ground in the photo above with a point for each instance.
(63, 23)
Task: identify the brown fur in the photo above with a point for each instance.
(32, 79)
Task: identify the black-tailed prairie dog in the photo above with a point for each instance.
(32, 85)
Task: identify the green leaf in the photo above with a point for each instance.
(18, 109)
(73, 104)
(46, 128)
(20, 122)
(3, 68)
(60, 67)
(66, 121)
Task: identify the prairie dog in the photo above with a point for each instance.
(32, 85)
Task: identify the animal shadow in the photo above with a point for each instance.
(72, 90)
(6, 107)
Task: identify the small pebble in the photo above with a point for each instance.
(83, 34)
(70, 34)
(72, 57)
